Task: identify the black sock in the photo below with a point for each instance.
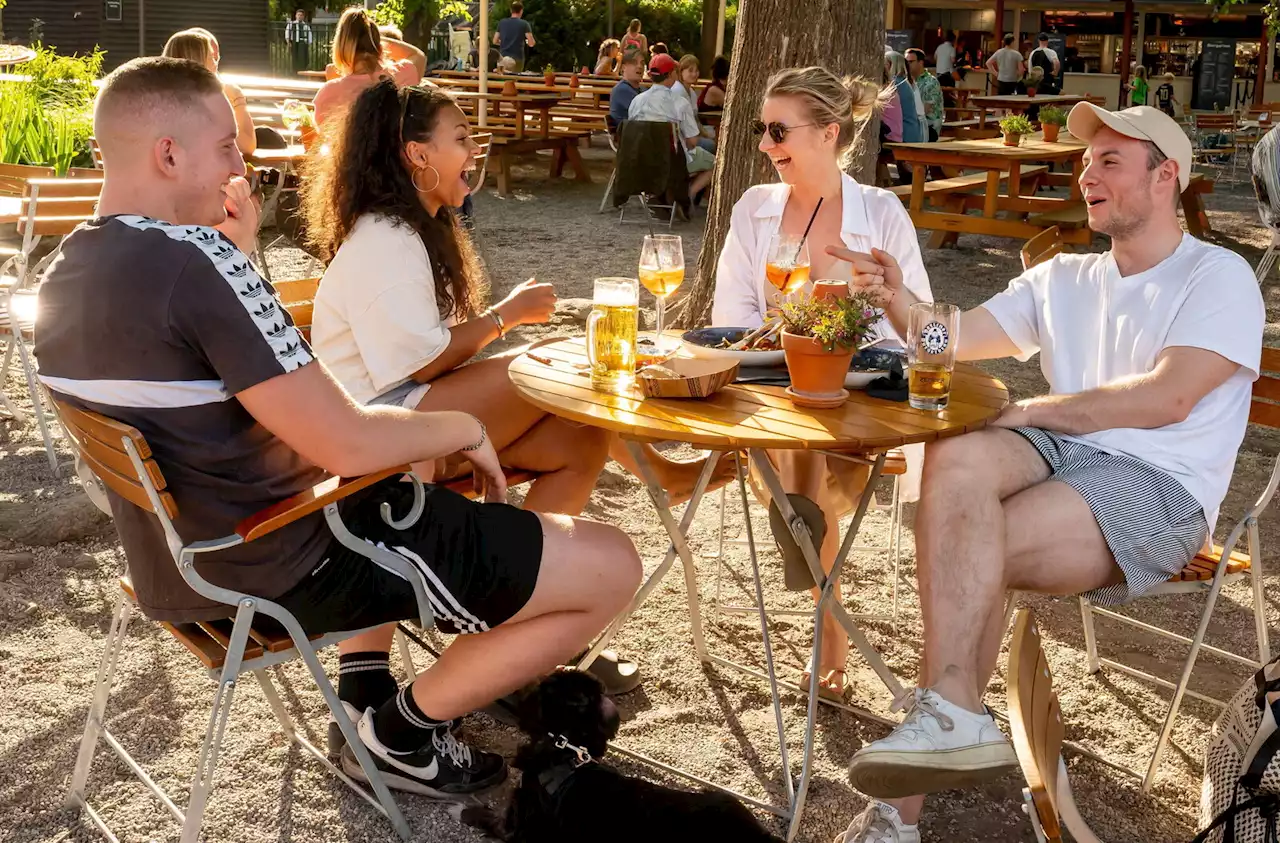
(365, 680)
(400, 725)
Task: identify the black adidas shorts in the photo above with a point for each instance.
(481, 563)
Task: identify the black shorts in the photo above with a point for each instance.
(480, 562)
(1004, 89)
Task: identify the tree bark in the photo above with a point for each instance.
(710, 20)
(846, 36)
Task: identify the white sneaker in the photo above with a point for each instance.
(938, 746)
(879, 823)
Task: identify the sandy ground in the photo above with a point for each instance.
(53, 613)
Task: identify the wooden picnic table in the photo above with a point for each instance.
(752, 417)
(542, 103)
(1020, 102)
(1001, 164)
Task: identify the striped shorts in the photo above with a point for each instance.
(1151, 523)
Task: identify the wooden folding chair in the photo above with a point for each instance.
(484, 140)
(1206, 150)
(120, 456)
(298, 297)
(48, 207)
(1207, 573)
(1042, 247)
(1035, 721)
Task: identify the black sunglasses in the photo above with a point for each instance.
(777, 131)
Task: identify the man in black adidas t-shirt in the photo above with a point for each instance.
(153, 317)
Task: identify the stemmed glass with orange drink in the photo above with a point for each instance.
(662, 273)
(787, 266)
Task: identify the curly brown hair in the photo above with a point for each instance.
(363, 174)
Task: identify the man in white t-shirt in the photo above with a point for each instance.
(944, 59)
(1108, 485)
(659, 102)
(1046, 58)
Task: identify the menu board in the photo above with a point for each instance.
(899, 40)
(1217, 74)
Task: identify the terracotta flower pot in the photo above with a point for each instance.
(1012, 140)
(1051, 132)
(817, 375)
(549, 78)
(509, 88)
(573, 81)
(1031, 92)
(825, 289)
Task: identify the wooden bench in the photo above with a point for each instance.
(962, 184)
(1193, 209)
(563, 144)
(959, 193)
(1067, 217)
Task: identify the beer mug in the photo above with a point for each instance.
(933, 333)
(611, 333)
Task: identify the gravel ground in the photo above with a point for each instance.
(55, 602)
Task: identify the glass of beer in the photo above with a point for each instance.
(611, 333)
(933, 333)
(662, 272)
(787, 266)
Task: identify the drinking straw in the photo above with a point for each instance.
(803, 237)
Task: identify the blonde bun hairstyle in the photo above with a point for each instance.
(849, 102)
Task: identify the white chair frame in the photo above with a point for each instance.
(247, 606)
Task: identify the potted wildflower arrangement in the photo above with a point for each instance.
(1035, 78)
(1014, 127)
(1051, 122)
(819, 339)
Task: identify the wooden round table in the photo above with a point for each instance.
(754, 418)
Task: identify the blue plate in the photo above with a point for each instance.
(702, 342)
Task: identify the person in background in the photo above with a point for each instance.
(1046, 58)
(361, 57)
(660, 102)
(809, 122)
(913, 129)
(1138, 88)
(199, 45)
(607, 58)
(686, 84)
(636, 40)
(390, 30)
(297, 33)
(1007, 66)
(1165, 100)
(506, 64)
(515, 36)
(661, 49)
(890, 125)
(632, 72)
(944, 60)
(712, 96)
(929, 91)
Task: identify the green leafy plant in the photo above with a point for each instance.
(836, 323)
(47, 118)
(548, 69)
(1052, 115)
(1016, 124)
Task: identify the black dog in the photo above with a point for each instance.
(567, 796)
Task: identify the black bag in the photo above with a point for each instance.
(1040, 59)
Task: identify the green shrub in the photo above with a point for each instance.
(48, 119)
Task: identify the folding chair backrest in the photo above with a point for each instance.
(97, 153)
(100, 441)
(1042, 247)
(484, 140)
(1265, 408)
(1035, 721)
(53, 206)
(298, 297)
(1215, 122)
(14, 177)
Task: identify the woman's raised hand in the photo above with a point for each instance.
(530, 303)
(876, 273)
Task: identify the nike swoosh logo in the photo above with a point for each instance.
(427, 773)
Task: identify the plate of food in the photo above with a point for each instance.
(871, 363)
(713, 344)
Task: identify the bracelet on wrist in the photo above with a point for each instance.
(493, 314)
(483, 437)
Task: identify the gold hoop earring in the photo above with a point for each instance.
(414, 178)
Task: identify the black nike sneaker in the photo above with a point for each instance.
(445, 768)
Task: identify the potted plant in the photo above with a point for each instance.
(819, 339)
(1014, 127)
(573, 80)
(549, 74)
(1035, 78)
(1052, 120)
(509, 88)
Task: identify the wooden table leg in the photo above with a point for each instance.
(1077, 167)
(1193, 210)
(992, 199)
(503, 173)
(918, 173)
(544, 122)
(1015, 179)
(940, 239)
(580, 172)
(519, 120)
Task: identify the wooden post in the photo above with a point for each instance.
(482, 105)
(707, 51)
(719, 32)
(1259, 89)
(1126, 52)
(999, 28)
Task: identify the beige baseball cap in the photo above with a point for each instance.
(1142, 122)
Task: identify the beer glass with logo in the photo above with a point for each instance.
(933, 332)
(611, 333)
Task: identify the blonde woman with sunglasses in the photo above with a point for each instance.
(808, 124)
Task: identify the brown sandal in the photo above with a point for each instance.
(828, 687)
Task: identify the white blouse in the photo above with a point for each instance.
(872, 218)
(376, 321)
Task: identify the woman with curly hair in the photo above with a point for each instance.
(400, 310)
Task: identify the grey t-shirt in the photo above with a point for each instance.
(511, 32)
(160, 326)
(1007, 60)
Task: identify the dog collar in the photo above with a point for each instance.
(553, 779)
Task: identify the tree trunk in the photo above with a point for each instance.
(846, 36)
(710, 20)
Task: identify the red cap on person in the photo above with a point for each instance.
(662, 63)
